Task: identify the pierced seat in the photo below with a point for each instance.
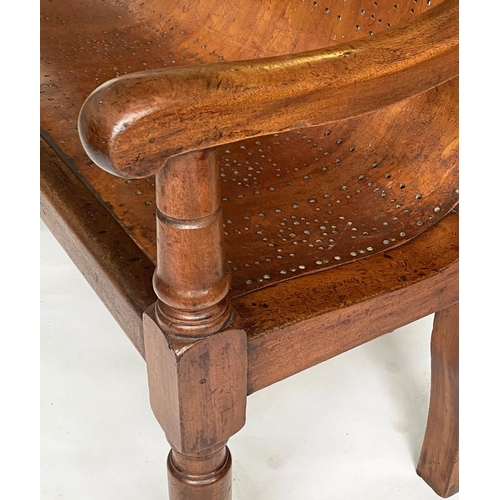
(323, 214)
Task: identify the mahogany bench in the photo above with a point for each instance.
(287, 190)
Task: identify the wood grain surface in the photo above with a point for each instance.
(304, 199)
(130, 125)
(438, 463)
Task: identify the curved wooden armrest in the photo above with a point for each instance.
(132, 124)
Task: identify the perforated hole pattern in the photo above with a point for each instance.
(293, 203)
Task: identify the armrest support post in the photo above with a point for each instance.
(191, 278)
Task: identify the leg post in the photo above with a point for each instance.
(201, 479)
(196, 352)
(438, 464)
(197, 389)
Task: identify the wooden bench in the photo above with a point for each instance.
(287, 190)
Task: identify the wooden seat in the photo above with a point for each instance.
(293, 179)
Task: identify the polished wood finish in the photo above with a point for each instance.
(196, 353)
(193, 299)
(266, 188)
(197, 390)
(114, 266)
(129, 125)
(338, 224)
(438, 463)
(211, 481)
(379, 284)
(334, 311)
(411, 142)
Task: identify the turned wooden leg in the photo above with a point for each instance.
(438, 464)
(194, 478)
(196, 353)
(197, 389)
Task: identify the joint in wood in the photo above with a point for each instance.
(197, 386)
